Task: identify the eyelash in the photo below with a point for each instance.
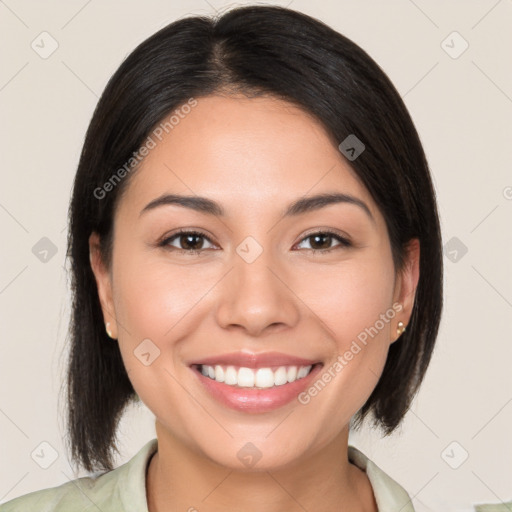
(164, 243)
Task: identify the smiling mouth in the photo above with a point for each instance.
(257, 378)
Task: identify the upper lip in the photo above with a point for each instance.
(251, 360)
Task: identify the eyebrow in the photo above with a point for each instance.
(298, 207)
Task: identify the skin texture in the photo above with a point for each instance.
(253, 156)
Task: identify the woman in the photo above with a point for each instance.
(256, 254)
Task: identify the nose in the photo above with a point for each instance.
(255, 296)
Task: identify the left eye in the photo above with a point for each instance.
(323, 238)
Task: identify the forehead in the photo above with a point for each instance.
(244, 153)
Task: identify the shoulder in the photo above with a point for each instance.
(388, 493)
(71, 496)
(494, 507)
(123, 488)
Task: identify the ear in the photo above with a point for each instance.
(103, 283)
(406, 285)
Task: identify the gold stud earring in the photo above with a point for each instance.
(109, 332)
(400, 329)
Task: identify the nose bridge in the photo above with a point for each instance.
(254, 296)
(253, 262)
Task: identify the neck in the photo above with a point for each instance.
(326, 481)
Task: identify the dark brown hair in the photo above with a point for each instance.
(251, 50)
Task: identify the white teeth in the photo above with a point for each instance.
(231, 376)
(250, 378)
(280, 376)
(219, 373)
(291, 375)
(264, 378)
(246, 378)
(303, 371)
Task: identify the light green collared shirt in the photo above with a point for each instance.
(124, 489)
(494, 507)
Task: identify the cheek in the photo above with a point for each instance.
(355, 302)
(153, 296)
(159, 302)
(352, 297)
(352, 308)
(154, 304)
(357, 307)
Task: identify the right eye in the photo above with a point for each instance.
(190, 242)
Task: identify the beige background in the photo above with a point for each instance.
(462, 108)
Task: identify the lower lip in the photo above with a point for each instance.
(256, 400)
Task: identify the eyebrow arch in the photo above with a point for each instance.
(298, 207)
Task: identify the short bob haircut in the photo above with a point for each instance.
(251, 50)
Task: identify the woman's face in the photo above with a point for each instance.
(254, 305)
